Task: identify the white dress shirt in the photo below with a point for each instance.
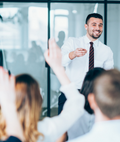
(76, 69)
(82, 126)
(105, 131)
(53, 128)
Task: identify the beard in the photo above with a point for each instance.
(95, 36)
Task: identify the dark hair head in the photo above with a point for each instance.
(94, 15)
(87, 86)
(107, 93)
(61, 35)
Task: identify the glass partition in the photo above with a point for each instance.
(23, 40)
(24, 35)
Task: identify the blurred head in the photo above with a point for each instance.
(28, 104)
(94, 26)
(87, 86)
(106, 94)
(61, 35)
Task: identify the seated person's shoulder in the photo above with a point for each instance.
(85, 138)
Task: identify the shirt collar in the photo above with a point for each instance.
(96, 42)
(106, 125)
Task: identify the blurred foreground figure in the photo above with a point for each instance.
(85, 123)
(29, 102)
(105, 102)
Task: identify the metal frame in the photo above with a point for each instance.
(65, 1)
(105, 2)
(48, 73)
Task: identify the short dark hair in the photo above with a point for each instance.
(107, 93)
(95, 15)
(87, 86)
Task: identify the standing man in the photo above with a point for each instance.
(84, 53)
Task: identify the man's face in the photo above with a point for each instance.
(94, 27)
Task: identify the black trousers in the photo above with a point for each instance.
(61, 101)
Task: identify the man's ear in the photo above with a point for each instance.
(85, 26)
(92, 102)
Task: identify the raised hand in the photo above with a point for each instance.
(8, 105)
(7, 89)
(53, 57)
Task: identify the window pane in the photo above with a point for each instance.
(113, 32)
(67, 20)
(24, 39)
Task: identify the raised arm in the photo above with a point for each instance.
(8, 106)
(53, 128)
(53, 57)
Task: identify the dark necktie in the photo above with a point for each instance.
(91, 56)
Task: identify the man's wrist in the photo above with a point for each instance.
(72, 55)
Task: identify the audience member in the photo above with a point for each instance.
(84, 124)
(29, 102)
(105, 102)
(86, 121)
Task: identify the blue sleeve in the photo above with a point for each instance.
(12, 139)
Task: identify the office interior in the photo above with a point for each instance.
(26, 26)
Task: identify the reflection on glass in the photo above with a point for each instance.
(23, 40)
(67, 20)
(61, 38)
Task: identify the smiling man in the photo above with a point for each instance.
(82, 54)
